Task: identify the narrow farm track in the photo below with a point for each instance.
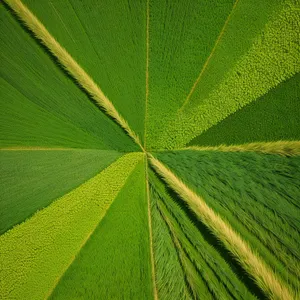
(70, 65)
(252, 263)
(186, 101)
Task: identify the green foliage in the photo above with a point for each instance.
(169, 276)
(35, 254)
(115, 262)
(172, 71)
(273, 58)
(40, 106)
(31, 180)
(275, 116)
(257, 194)
(109, 41)
(218, 276)
(182, 35)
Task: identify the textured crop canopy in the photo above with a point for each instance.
(150, 149)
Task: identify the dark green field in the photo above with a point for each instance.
(52, 173)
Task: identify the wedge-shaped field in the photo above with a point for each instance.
(274, 116)
(51, 239)
(258, 196)
(32, 179)
(41, 106)
(198, 268)
(117, 253)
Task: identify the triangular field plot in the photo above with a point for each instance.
(271, 117)
(149, 149)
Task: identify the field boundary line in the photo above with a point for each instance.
(283, 148)
(253, 264)
(56, 282)
(147, 69)
(208, 58)
(70, 65)
(155, 294)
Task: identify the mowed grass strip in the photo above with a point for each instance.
(273, 58)
(283, 148)
(264, 276)
(256, 193)
(220, 276)
(35, 254)
(70, 65)
(272, 117)
(31, 179)
(115, 263)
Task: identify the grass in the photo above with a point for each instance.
(179, 47)
(263, 275)
(33, 85)
(271, 117)
(272, 58)
(212, 268)
(51, 173)
(117, 254)
(83, 75)
(51, 239)
(169, 275)
(109, 43)
(255, 193)
(69, 64)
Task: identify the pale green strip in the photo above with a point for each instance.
(36, 253)
(273, 58)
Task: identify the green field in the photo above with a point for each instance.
(257, 194)
(212, 277)
(52, 173)
(113, 54)
(41, 106)
(272, 117)
(149, 149)
(272, 58)
(117, 254)
(53, 236)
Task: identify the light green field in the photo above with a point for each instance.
(31, 180)
(114, 263)
(53, 236)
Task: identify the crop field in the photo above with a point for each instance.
(52, 173)
(150, 149)
(117, 250)
(272, 117)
